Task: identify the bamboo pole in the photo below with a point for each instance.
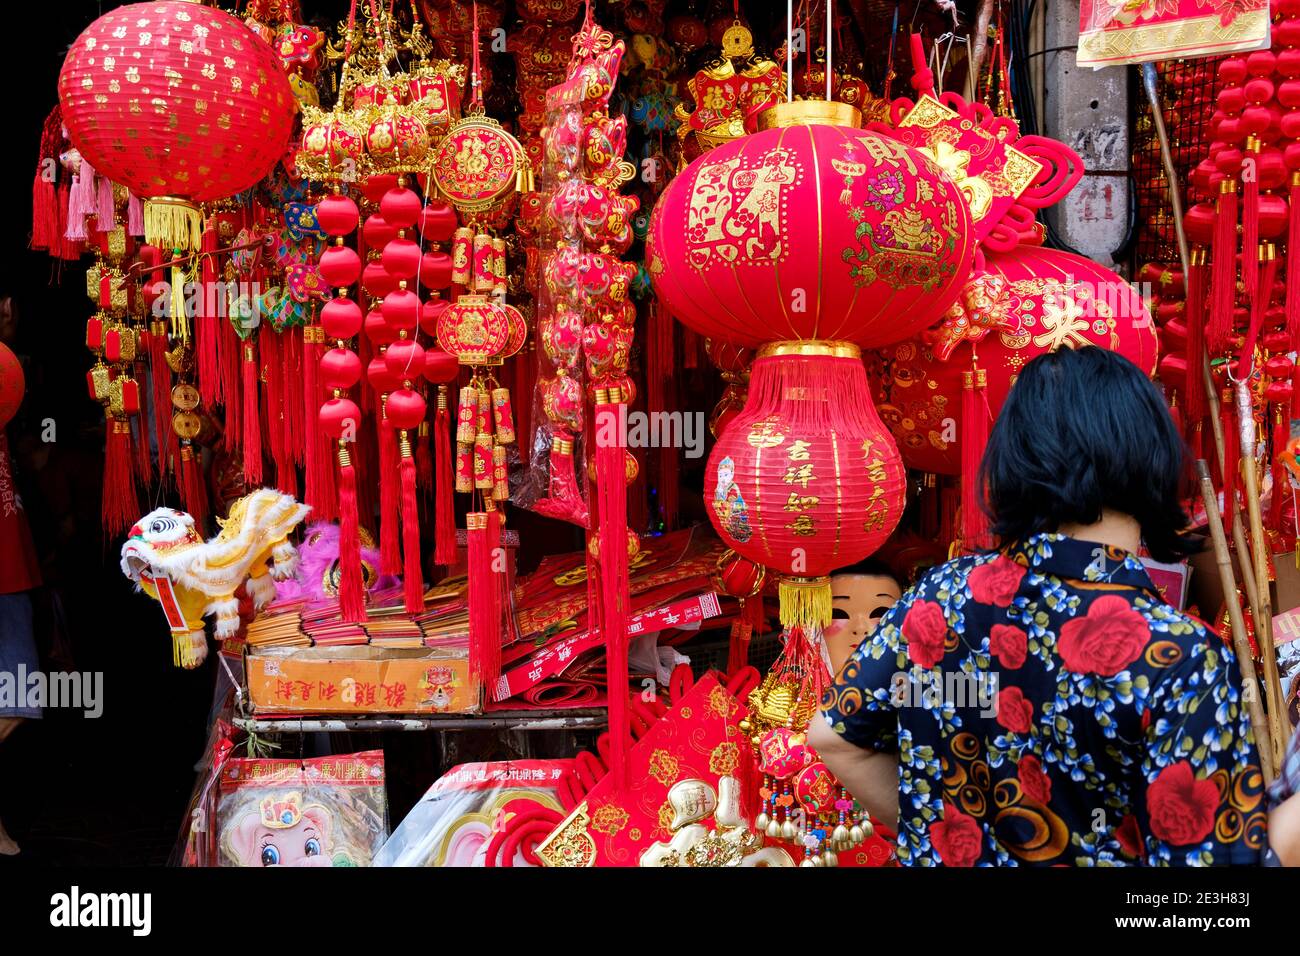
(1261, 725)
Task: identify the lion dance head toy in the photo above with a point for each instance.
(169, 560)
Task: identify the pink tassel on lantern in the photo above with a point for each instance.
(135, 216)
(104, 213)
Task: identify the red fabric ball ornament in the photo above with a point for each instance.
(1261, 63)
(340, 368)
(810, 232)
(401, 258)
(440, 368)
(402, 309)
(176, 99)
(340, 318)
(437, 222)
(12, 384)
(405, 408)
(378, 231)
(1288, 93)
(377, 280)
(380, 378)
(1058, 300)
(339, 266)
(435, 270)
(737, 576)
(376, 186)
(1232, 100)
(378, 330)
(806, 479)
(405, 359)
(337, 214)
(339, 417)
(1232, 70)
(430, 312)
(400, 206)
(1288, 61)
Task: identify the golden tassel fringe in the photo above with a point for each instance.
(173, 224)
(805, 602)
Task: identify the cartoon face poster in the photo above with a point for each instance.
(326, 811)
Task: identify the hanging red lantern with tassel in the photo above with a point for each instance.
(180, 102)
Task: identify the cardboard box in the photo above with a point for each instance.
(360, 680)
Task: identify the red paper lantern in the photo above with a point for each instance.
(813, 231)
(806, 479)
(1055, 299)
(180, 102)
(12, 385)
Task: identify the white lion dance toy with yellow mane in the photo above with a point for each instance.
(168, 560)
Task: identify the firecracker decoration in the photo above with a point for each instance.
(168, 559)
(218, 117)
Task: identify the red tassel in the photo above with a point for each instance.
(291, 381)
(481, 528)
(44, 210)
(352, 594)
(252, 418)
(1194, 388)
(974, 438)
(140, 439)
(207, 327)
(1231, 456)
(160, 377)
(444, 508)
(120, 504)
(230, 349)
(1293, 264)
(611, 485)
(1258, 304)
(412, 575)
(318, 462)
(1281, 435)
(1223, 279)
(749, 620)
(390, 547)
(1250, 217)
(194, 492)
(423, 458)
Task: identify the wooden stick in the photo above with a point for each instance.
(1263, 615)
(1250, 687)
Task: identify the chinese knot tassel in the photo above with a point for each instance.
(1250, 216)
(1223, 277)
(611, 487)
(390, 542)
(119, 506)
(1293, 264)
(352, 594)
(251, 417)
(194, 495)
(444, 514)
(974, 437)
(412, 575)
(1194, 387)
(207, 331)
(481, 528)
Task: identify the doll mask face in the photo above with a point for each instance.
(858, 602)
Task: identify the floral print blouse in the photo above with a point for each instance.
(1049, 708)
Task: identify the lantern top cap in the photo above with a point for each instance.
(834, 349)
(810, 113)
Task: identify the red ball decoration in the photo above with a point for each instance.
(377, 280)
(405, 359)
(440, 368)
(1055, 299)
(337, 214)
(435, 270)
(402, 309)
(339, 266)
(380, 378)
(405, 408)
(376, 186)
(340, 318)
(810, 232)
(437, 222)
(430, 313)
(12, 385)
(176, 99)
(340, 368)
(378, 330)
(378, 231)
(340, 418)
(401, 207)
(401, 258)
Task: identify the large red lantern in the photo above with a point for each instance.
(806, 478)
(180, 102)
(1049, 299)
(810, 229)
(12, 385)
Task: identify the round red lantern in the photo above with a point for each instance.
(180, 102)
(1049, 299)
(806, 479)
(809, 230)
(12, 385)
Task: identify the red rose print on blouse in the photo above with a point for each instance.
(1106, 640)
(1014, 712)
(1129, 835)
(926, 629)
(958, 837)
(1008, 644)
(995, 583)
(1181, 807)
(1034, 783)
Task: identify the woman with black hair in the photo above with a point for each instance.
(1041, 704)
